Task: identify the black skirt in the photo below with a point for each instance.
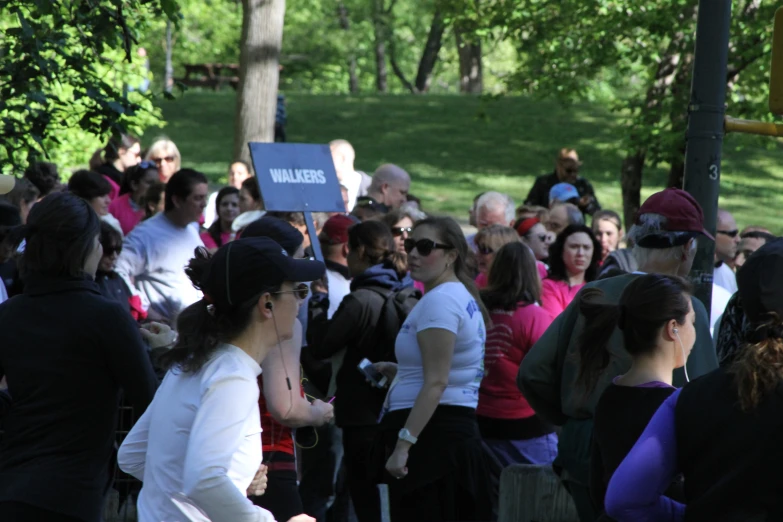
(448, 471)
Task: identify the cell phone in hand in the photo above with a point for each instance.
(375, 377)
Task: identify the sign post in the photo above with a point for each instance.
(297, 177)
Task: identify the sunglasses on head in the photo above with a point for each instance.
(484, 249)
(398, 231)
(424, 246)
(730, 233)
(300, 291)
(147, 165)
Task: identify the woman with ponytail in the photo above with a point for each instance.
(354, 333)
(197, 448)
(656, 319)
(437, 463)
(722, 431)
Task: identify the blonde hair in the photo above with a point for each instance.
(496, 236)
(164, 146)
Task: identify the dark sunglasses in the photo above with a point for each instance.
(730, 233)
(398, 231)
(483, 249)
(300, 291)
(424, 246)
(107, 251)
(168, 159)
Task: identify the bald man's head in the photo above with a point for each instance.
(343, 157)
(390, 185)
(727, 239)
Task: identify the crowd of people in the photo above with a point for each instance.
(267, 385)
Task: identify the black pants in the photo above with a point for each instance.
(20, 512)
(359, 444)
(282, 493)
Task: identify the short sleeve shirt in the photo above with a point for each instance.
(451, 307)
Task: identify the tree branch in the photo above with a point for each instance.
(396, 67)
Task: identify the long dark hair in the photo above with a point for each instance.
(450, 233)
(513, 279)
(758, 369)
(60, 234)
(112, 150)
(557, 268)
(215, 229)
(200, 329)
(377, 244)
(646, 305)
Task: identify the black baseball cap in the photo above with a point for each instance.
(760, 282)
(248, 267)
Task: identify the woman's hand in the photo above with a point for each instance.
(397, 465)
(389, 369)
(258, 486)
(158, 335)
(322, 411)
(301, 518)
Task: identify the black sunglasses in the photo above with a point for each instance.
(730, 233)
(398, 231)
(107, 251)
(300, 291)
(483, 249)
(424, 246)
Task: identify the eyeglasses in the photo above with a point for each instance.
(167, 159)
(483, 249)
(424, 246)
(398, 231)
(730, 233)
(300, 291)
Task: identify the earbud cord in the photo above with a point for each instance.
(282, 360)
(684, 359)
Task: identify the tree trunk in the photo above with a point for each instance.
(429, 56)
(631, 183)
(169, 75)
(345, 25)
(259, 57)
(379, 29)
(471, 77)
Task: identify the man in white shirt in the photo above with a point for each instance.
(356, 182)
(334, 245)
(155, 253)
(726, 242)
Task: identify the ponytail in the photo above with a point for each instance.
(601, 318)
(759, 367)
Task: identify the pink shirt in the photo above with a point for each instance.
(225, 237)
(115, 189)
(557, 295)
(126, 212)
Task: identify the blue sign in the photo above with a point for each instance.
(296, 177)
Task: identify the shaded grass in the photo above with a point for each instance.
(455, 147)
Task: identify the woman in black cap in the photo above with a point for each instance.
(197, 447)
(721, 431)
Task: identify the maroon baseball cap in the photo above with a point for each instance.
(336, 229)
(682, 212)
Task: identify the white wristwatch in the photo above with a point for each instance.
(405, 435)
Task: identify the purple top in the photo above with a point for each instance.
(651, 384)
(636, 489)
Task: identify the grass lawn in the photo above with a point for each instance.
(455, 147)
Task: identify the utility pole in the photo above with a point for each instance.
(705, 131)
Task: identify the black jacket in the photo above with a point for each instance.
(352, 328)
(539, 193)
(108, 169)
(66, 352)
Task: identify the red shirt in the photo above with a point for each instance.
(510, 337)
(274, 436)
(128, 216)
(209, 242)
(557, 295)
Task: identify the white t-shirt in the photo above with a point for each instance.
(451, 307)
(210, 212)
(357, 183)
(198, 445)
(724, 276)
(339, 287)
(720, 298)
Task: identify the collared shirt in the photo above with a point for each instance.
(198, 445)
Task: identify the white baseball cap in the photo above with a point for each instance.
(6, 183)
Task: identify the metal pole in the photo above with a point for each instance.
(705, 130)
